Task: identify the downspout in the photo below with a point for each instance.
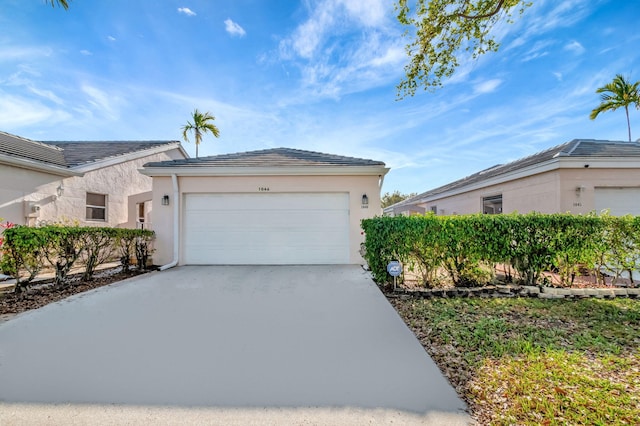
(176, 224)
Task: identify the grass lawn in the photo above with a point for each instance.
(530, 361)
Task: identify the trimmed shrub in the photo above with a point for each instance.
(467, 247)
(27, 250)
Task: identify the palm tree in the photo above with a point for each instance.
(202, 123)
(63, 3)
(618, 93)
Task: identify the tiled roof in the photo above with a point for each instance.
(81, 153)
(578, 148)
(277, 157)
(22, 148)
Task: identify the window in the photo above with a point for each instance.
(434, 209)
(96, 207)
(140, 209)
(492, 205)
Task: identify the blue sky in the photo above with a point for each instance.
(311, 74)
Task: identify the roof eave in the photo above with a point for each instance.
(38, 166)
(549, 165)
(111, 161)
(266, 171)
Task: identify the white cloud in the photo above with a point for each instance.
(102, 101)
(233, 28)
(308, 36)
(344, 46)
(186, 11)
(9, 53)
(538, 50)
(25, 78)
(487, 86)
(392, 56)
(111, 38)
(558, 76)
(334, 17)
(547, 15)
(575, 47)
(86, 52)
(369, 12)
(16, 112)
(47, 94)
(543, 17)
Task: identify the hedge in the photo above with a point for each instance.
(468, 246)
(26, 251)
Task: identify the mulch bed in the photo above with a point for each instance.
(44, 292)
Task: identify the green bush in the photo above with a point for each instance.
(98, 249)
(23, 254)
(132, 243)
(27, 250)
(467, 247)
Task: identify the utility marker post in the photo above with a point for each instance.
(394, 268)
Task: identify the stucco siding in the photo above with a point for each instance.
(18, 186)
(355, 186)
(118, 182)
(534, 193)
(564, 190)
(587, 180)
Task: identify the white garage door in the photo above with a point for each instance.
(619, 201)
(266, 229)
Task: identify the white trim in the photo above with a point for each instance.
(38, 166)
(176, 224)
(194, 170)
(129, 156)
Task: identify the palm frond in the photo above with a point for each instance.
(618, 93)
(202, 123)
(62, 3)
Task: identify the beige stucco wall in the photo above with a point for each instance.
(119, 182)
(17, 185)
(549, 192)
(588, 180)
(162, 216)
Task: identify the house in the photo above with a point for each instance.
(273, 206)
(91, 183)
(579, 176)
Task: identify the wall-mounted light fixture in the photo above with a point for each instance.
(365, 200)
(579, 190)
(60, 190)
(165, 200)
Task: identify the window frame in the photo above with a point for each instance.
(96, 207)
(491, 201)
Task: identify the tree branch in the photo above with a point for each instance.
(483, 16)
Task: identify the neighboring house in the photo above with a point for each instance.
(91, 183)
(580, 176)
(274, 206)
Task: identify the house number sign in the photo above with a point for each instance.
(263, 188)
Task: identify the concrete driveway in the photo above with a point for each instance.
(246, 342)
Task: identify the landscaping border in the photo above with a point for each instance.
(506, 291)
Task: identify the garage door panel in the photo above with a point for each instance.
(275, 257)
(266, 228)
(619, 201)
(285, 202)
(244, 219)
(238, 239)
(263, 256)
